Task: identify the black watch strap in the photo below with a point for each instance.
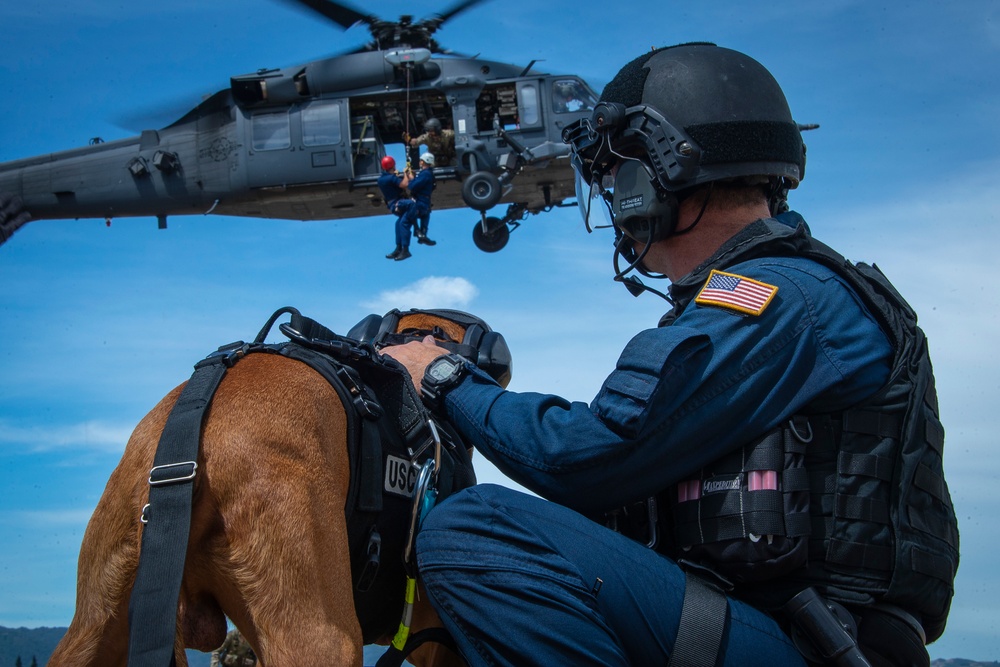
(440, 376)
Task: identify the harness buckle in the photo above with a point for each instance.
(364, 404)
(372, 562)
(171, 473)
(229, 354)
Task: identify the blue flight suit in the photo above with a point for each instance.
(522, 581)
(398, 204)
(421, 188)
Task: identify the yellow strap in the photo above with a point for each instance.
(403, 633)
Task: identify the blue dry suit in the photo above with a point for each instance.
(398, 204)
(421, 187)
(522, 581)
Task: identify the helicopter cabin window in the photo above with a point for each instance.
(321, 124)
(527, 101)
(570, 95)
(271, 131)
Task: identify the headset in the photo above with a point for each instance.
(484, 347)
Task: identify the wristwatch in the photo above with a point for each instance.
(440, 376)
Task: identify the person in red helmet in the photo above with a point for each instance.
(393, 188)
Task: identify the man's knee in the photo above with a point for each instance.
(465, 507)
(466, 517)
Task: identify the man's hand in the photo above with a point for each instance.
(12, 216)
(416, 356)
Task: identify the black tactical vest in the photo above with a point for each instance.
(857, 504)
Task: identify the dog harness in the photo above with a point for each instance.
(394, 446)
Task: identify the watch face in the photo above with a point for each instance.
(441, 368)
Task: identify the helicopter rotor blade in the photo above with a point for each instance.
(457, 8)
(387, 34)
(341, 14)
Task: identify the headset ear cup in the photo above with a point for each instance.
(642, 208)
(366, 330)
(494, 358)
(387, 326)
(473, 335)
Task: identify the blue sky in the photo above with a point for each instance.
(97, 323)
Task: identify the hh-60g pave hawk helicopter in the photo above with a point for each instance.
(305, 142)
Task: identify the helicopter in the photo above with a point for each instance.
(305, 142)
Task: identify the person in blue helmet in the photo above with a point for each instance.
(759, 480)
(393, 188)
(421, 187)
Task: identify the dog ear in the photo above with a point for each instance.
(494, 357)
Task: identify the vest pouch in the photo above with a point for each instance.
(747, 515)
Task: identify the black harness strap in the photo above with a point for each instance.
(702, 625)
(168, 521)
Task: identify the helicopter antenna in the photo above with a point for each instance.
(528, 68)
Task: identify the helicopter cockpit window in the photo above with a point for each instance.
(570, 95)
(321, 124)
(271, 131)
(528, 104)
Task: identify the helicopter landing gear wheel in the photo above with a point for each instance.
(481, 191)
(491, 234)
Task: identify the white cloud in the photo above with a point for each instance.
(429, 292)
(91, 435)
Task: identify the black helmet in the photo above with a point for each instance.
(432, 125)
(679, 117)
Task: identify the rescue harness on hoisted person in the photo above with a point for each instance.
(401, 461)
(852, 506)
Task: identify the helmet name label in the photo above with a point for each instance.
(630, 202)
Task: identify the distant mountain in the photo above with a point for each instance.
(41, 642)
(27, 643)
(959, 662)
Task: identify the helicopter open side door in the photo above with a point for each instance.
(299, 144)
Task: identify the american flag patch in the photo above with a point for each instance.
(734, 292)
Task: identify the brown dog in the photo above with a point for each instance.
(268, 544)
